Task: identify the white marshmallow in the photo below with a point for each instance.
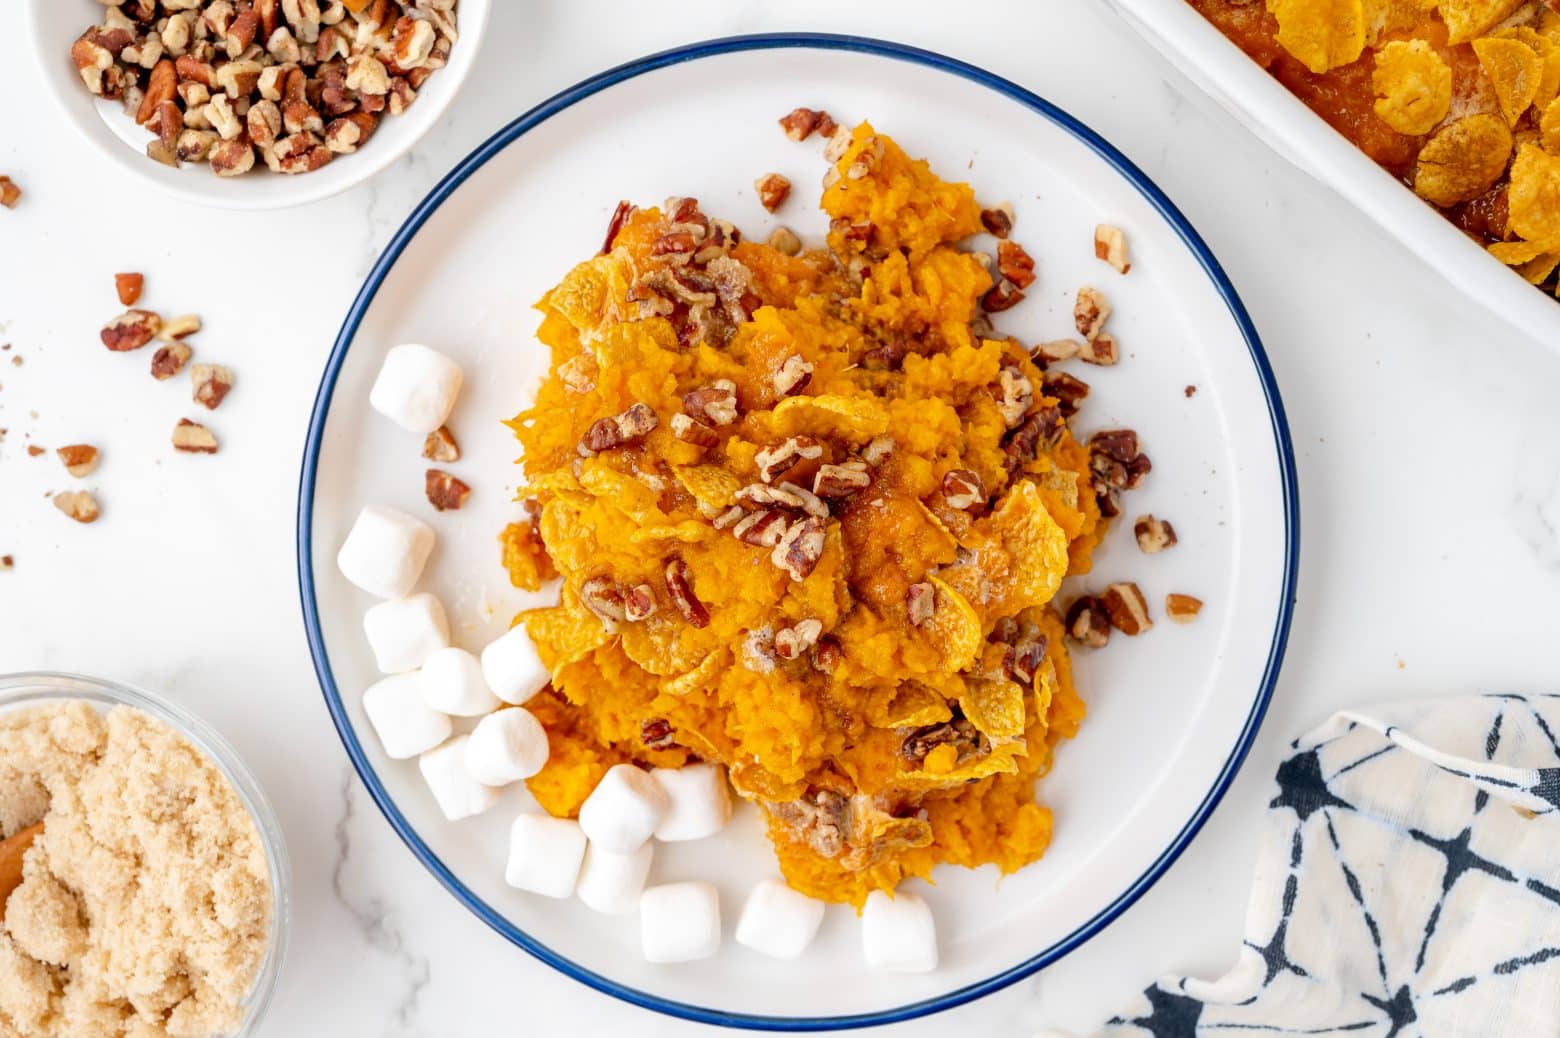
(385, 551)
(700, 802)
(612, 883)
(404, 632)
(512, 667)
(898, 933)
(544, 855)
(452, 682)
(623, 810)
(416, 388)
(679, 922)
(459, 794)
(506, 747)
(405, 725)
(778, 921)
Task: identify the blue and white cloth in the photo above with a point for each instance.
(1408, 885)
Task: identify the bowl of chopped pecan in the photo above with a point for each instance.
(255, 105)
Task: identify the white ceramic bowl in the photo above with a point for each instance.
(1265, 107)
(54, 25)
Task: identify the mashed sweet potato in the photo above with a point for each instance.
(810, 514)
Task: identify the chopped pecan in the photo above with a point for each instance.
(827, 127)
(998, 220)
(620, 216)
(729, 518)
(1018, 395)
(169, 360)
(10, 194)
(1004, 295)
(799, 123)
(128, 286)
(841, 480)
(970, 742)
(440, 446)
(962, 489)
(211, 384)
(1015, 264)
(800, 550)
(773, 189)
(821, 819)
(1182, 609)
(444, 491)
(1110, 245)
(1189, 392)
(784, 495)
(1023, 444)
(79, 459)
(78, 504)
(1127, 608)
(1153, 535)
(791, 642)
(1101, 350)
(877, 451)
(176, 328)
(638, 603)
(793, 376)
(762, 529)
(776, 461)
(1057, 350)
(1088, 623)
(691, 430)
(1028, 653)
(624, 429)
(602, 596)
(715, 403)
(1116, 460)
(1067, 391)
(1090, 312)
(193, 438)
(130, 330)
(656, 734)
(679, 588)
(827, 655)
(921, 602)
(232, 158)
(784, 241)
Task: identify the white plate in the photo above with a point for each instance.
(1267, 109)
(55, 24)
(1171, 713)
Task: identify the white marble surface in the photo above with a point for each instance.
(1428, 445)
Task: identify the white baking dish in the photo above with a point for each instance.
(1266, 108)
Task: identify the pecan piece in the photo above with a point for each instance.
(1028, 653)
(656, 734)
(827, 655)
(970, 742)
(440, 446)
(232, 158)
(1153, 535)
(620, 430)
(1101, 350)
(791, 642)
(679, 588)
(775, 461)
(691, 430)
(877, 452)
(1018, 395)
(128, 287)
(211, 384)
(729, 518)
(1110, 245)
(79, 459)
(799, 123)
(773, 189)
(444, 491)
(998, 220)
(638, 603)
(1057, 350)
(784, 241)
(1023, 445)
(761, 529)
(193, 438)
(793, 376)
(602, 596)
(1182, 609)
(1127, 608)
(962, 489)
(169, 360)
(1004, 295)
(78, 504)
(801, 548)
(1088, 623)
(715, 403)
(1067, 391)
(921, 602)
(130, 330)
(841, 480)
(1015, 264)
(10, 194)
(177, 328)
(785, 495)
(1090, 312)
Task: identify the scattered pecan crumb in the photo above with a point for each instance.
(1127, 607)
(1058, 350)
(791, 642)
(774, 462)
(130, 330)
(773, 189)
(841, 480)
(1116, 460)
(800, 550)
(962, 489)
(1110, 245)
(656, 734)
(1004, 295)
(638, 603)
(33, 450)
(827, 127)
(1088, 623)
(9, 192)
(1015, 264)
(799, 123)
(7, 562)
(169, 360)
(784, 241)
(1183, 609)
(1090, 312)
(920, 602)
(1101, 350)
(78, 504)
(211, 384)
(620, 216)
(793, 376)
(176, 328)
(1190, 392)
(620, 430)
(1153, 535)
(827, 655)
(440, 446)
(193, 438)
(129, 288)
(79, 459)
(998, 220)
(1067, 391)
(715, 403)
(444, 491)
(679, 588)
(691, 430)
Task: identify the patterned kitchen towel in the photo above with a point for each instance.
(1407, 885)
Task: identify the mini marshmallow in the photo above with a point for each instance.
(612, 883)
(458, 793)
(512, 667)
(623, 810)
(679, 922)
(506, 747)
(898, 933)
(385, 552)
(700, 802)
(778, 921)
(416, 388)
(452, 683)
(404, 632)
(405, 725)
(544, 855)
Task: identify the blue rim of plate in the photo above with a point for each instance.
(558, 103)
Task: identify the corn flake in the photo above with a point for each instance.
(1549, 126)
(1463, 159)
(1322, 34)
(1035, 543)
(1514, 69)
(712, 486)
(1534, 198)
(1466, 19)
(852, 417)
(913, 705)
(1516, 253)
(564, 633)
(954, 627)
(1537, 270)
(994, 705)
(1413, 86)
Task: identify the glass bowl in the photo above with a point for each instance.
(17, 690)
